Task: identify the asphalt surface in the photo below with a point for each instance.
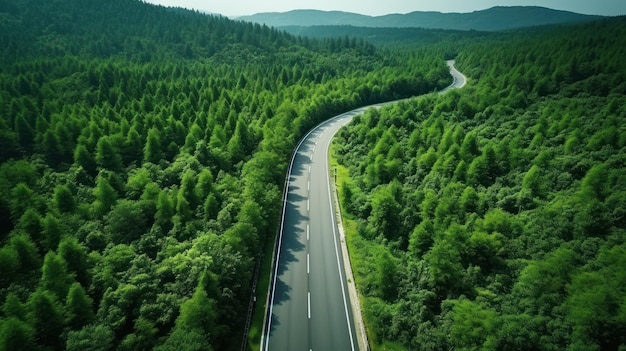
(458, 79)
(309, 305)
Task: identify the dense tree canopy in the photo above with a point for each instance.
(142, 155)
(501, 205)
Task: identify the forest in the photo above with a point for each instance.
(143, 152)
(494, 217)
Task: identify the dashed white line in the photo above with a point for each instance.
(308, 204)
(309, 304)
(308, 185)
(308, 271)
(307, 232)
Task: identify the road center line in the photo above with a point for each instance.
(307, 232)
(309, 304)
(308, 271)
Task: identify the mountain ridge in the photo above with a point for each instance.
(493, 19)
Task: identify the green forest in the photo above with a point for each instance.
(143, 152)
(494, 217)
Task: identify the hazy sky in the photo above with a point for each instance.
(383, 7)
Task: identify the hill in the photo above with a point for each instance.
(493, 19)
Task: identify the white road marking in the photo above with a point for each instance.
(308, 271)
(308, 185)
(334, 225)
(309, 304)
(308, 204)
(307, 232)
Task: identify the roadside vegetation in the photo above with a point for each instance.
(494, 217)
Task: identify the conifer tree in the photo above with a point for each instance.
(55, 276)
(78, 307)
(63, 199)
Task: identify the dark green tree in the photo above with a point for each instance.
(52, 232)
(75, 255)
(63, 199)
(108, 154)
(46, 314)
(16, 334)
(78, 308)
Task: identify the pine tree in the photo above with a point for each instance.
(78, 307)
(47, 317)
(55, 276)
(105, 196)
(16, 334)
(63, 199)
(152, 151)
(107, 155)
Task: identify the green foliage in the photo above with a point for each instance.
(473, 326)
(595, 302)
(55, 277)
(46, 316)
(144, 148)
(105, 197)
(78, 308)
(507, 203)
(90, 338)
(107, 155)
(16, 334)
(63, 199)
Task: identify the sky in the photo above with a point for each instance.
(233, 8)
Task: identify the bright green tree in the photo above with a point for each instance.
(105, 196)
(152, 152)
(55, 276)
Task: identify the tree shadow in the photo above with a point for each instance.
(281, 294)
(293, 234)
(302, 160)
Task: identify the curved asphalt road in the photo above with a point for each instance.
(309, 307)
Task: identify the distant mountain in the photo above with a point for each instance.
(493, 19)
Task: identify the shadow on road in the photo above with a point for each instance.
(294, 236)
(281, 294)
(301, 162)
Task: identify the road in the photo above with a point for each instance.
(309, 305)
(458, 79)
